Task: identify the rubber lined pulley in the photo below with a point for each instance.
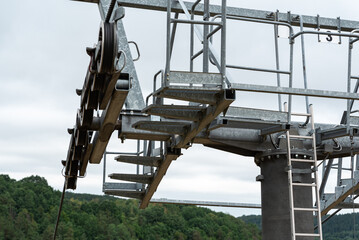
(109, 47)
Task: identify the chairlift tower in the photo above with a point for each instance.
(288, 151)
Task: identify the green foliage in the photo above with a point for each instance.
(28, 210)
(339, 227)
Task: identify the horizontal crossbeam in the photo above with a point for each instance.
(295, 91)
(206, 203)
(308, 21)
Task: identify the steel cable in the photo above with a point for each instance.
(60, 209)
(110, 10)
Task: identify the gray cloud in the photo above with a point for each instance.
(43, 60)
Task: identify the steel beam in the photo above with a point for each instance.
(341, 194)
(308, 21)
(295, 91)
(206, 203)
(108, 122)
(159, 174)
(227, 97)
(134, 100)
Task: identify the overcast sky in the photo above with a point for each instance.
(43, 61)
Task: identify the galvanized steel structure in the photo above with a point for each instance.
(288, 152)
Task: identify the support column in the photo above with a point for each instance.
(276, 222)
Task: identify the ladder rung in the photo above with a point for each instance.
(302, 160)
(306, 209)
(298, 136)
(301, 114)
(305, 184)
(307, 234)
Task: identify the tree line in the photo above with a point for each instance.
(28, 210)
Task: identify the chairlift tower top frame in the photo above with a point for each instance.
(112, 85)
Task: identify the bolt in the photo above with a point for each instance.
(270, 15)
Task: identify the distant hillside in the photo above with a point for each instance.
(340, 227)
(28, 210)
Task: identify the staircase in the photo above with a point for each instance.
(204, 99)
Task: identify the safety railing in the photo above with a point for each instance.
(203, 35)
(292, 37)
(277, 71)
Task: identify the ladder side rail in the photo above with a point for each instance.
(290, 181)
(319, 218)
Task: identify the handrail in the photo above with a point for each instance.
(196, 22)
(231, 17)
(325, 33)
(350, 103)
(194, 6)
(257, 21)
(154, 85)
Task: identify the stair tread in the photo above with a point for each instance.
(182, 107)
(140, 160)
(126, 193)
(146, 179)
(190, 113)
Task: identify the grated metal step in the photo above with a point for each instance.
(140, 160)
(179, 128)
(146, 179)
(190, 113)
(126, 193)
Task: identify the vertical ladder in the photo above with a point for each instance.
(313, 161)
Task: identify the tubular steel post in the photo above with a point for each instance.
(138, 154)
(168, 37)
(205, 39)
(192, 35)
(104, 168)
(290, 77)
(339, 174)
(350, 48)
(173, 34)
(223, 41)
(304, 64)
(277, 60)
